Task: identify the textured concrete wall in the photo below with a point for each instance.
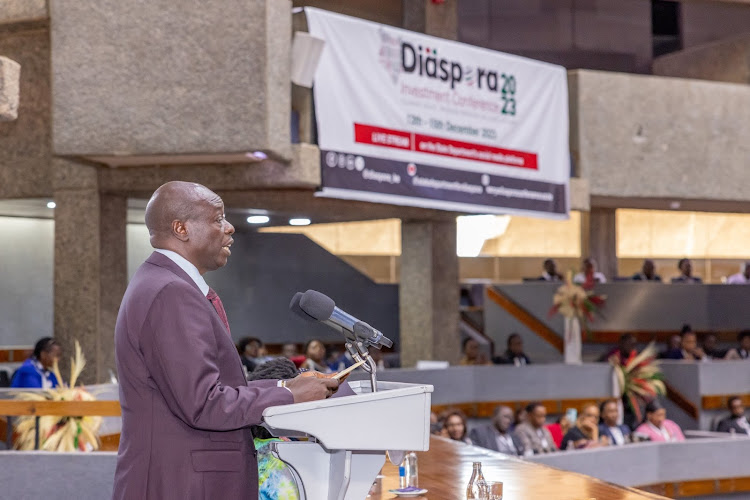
(655, 137)
(164, 77)
(723, 61)
(599, 34)
(22, 11)
(25, 142)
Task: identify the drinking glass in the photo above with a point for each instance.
(492, 491)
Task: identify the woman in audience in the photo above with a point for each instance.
(472, 354)
(454, 426)
(743, 350)
(315, 352)
(586, 432)
(657, 426)
(35, 372)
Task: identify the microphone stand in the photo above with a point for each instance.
(359, 352)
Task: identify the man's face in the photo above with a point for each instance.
(709, 343)
(610, 414)
(648, 269)
(675, 342)
(251, 349)
(590, 415)
(472, 349)
(289, 350)
(538, 417)
(49, 357)
(745, 343)
(689, 342)
(550, 267)
(738, 409)
(516, 345)
(209, 235)
(589, 267)
(686, 267)
(503, 419)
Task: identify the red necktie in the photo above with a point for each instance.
(216, 302)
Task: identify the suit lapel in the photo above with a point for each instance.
(161, 260)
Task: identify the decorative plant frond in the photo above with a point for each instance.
(573, 301)
(60, 433)
(640, 378)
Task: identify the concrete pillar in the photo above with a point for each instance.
(428, 292)
(601, 242)
(90, 267)
(432, 18)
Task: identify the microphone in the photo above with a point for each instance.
(322, 308)
(296, 309)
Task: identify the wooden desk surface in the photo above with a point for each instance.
(446, 468)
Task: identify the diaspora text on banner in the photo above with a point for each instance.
(410, 119)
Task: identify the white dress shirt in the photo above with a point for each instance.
(617, 436)
(186, 266)
(737, 279)
(581, 278)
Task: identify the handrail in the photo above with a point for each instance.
(681, 401)
(529, 320)
(15, 408)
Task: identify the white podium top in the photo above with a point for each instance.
(396, 417)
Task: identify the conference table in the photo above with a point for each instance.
(446, 468)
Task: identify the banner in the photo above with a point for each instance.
(410, 119)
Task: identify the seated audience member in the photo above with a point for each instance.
(534, 435)
(689, 349)
(657, 426)
(742, 277)
(585, 434)
(711, 348)
(342, 362)
(454, 426)
(624, 349)
(35, 371)
(743, 350)
(737, 421)
(435, 425)
(674, 343)
(589, 276)
(472, 354)
(686, 273)
(514, 354)
(550, 271)
(249, 349)
(289, 350)
(497, 435)
(648, 272)
(315, 352)
(520, 416)
(559, 429)
(618, 434)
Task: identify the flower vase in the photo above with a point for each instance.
(573, 346)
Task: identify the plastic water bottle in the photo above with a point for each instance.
(411, 470)
(402, 475)
(474, 488)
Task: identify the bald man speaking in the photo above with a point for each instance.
(186, 405)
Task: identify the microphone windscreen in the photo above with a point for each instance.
(317, 305)
(296, 309)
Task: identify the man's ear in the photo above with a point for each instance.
(180, 230)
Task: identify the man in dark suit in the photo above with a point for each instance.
(617, 434)
(496, 435)
(736, 422)
(186, 406)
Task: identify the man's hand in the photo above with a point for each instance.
(311, 388)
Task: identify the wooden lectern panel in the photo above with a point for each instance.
(445, 470)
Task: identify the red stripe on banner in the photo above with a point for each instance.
(378, 136)
(389, 138)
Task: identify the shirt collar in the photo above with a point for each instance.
(186, 266)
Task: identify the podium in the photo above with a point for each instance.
(348, 436)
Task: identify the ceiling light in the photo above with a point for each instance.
(258, 219)
(257, 155)
(299, 222)
(51, 204)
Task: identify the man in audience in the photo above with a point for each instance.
(550, 271)
(741, 278)
(711, 348)
(472, 354)
(589, 276)
(689, 350)
(686, 273)
(736, 422)
(249, 348)
(648, 272)
(496, 435)
(624, 349)
(617, 434)
(743, 351)
(674, 342)
(514, 354)
(585, 434)
(534, 435)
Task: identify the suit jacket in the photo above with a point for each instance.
(729, 423)
(604, 431)
(486, 437)
(186, 406)
(531, 440)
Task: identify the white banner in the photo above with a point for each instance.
(411, 119)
